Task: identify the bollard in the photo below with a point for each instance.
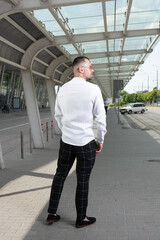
(47, 131)
(52, 129)
(22, 152)
(42, 127)
(30, 140)
(2, 166)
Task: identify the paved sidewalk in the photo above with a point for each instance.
(124, 191)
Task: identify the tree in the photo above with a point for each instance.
(145, 96)
(125, 98)
(123, 93)
(139, 97)
(158, 93)
(152, 95)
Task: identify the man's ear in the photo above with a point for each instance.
(80, 69)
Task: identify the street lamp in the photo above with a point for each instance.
(147, 74)
(157, 82)
(147, 79)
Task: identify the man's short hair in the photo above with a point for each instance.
(78, 60)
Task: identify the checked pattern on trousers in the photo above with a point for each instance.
(85, 156)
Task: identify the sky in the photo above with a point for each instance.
(146, 77)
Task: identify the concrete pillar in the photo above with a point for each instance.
(29, 90)
(40, 96)
(52, 98)
(44, 95)
(1, 68)
(44, 92)
(2, 166)
(9, 86)
(66, 73)
(30, 95)
(37, 88)
(2, 75)
(23, 104)
(19, 86)
(11, 89)
(51, 89)
(32, 109)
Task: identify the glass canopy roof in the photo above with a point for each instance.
(117, 35)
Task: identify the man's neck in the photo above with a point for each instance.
(79, 75)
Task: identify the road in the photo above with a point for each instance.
(149, 121)
(11, 126)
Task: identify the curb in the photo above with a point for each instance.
(123, 121)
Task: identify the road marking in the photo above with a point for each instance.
(3, 129)
(10, 119)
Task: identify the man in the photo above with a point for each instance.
(106, 106)
(78, 103)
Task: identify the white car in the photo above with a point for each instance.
(133, 108)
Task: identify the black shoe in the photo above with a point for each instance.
(83, 223)
(52, 218)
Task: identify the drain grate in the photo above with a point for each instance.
(154, 160)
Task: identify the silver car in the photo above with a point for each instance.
(133, 108)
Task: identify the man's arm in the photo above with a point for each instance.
(100, 117)
(58, 114)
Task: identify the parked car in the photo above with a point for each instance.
(133, 108)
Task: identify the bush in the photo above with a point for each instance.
(111, 105)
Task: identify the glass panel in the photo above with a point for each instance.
(120, 19)
(70, 48)
(144, 20)
(138, 5)
(119, 22)
(113, 59)
(123, 73)
(51, 25)
(115, 15)
(121, 6)
(95, 46)
(100, 68)
(137, 42)
(84, 19)
(126, 68)
(114, 45)
(88, 18)
(110, 7)
(130, 58)
(99, 60)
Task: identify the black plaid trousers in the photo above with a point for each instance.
(85, 161)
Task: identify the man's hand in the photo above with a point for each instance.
(99, 147)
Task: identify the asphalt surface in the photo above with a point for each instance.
(124, 190)
(11, 126)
